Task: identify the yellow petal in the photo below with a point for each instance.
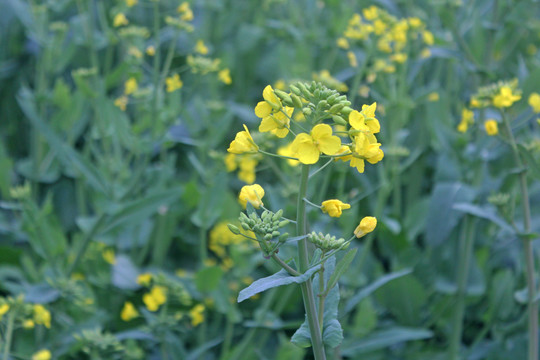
(263, 109)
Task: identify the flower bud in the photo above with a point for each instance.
(346, 110)
(296, 91)
(297, 102)
(283, 223)
(306, 111)
(275, 234)
(277, 215)
(339, 120)
(233, 229)
(366, 226)
(336, 108)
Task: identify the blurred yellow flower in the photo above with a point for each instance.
(151, 50)
(433, 96)
(428, 37)
(131, 3)
(197, 314)
(155, 298)
(343, 43)
(425, 53)
(534, 102)
(120, 20)
(491, 127)
(287, 151)
(352, 59)
(308, 147)
(467, 118)
(173, 83)
(185, 11)
(334, 207)
(130, 86)
(280, 84)
(243, 143)
(144, 279)
(252, 194)
(42, 316)
(201, 48)
(128, 312)
(42, 355)
(28, 324)
(225, 76)
(505, 98)
(121, 102)
(366, 226)
(109, 256)
(135, 52)
(4, 308)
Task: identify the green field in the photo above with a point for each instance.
(239, 180)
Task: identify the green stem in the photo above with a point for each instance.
(284, 265)
(229, 330)
(307, 289)
(9, 334)
(322, 296)
(465, 253)
(532, 306)
(86, 241)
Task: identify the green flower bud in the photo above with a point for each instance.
(268, 237)
(283, 237)
(307, 111)
(339, 120)
(332, 98)
(283, 223)
(277, 215)
(296, 91)
(335, 109)
(346, 111)
(275, 233)
(245, 226)
(233, 229)
(297, 102)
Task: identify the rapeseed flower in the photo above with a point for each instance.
(505, 98)
(155, 298)
(201, 48)
(534, 102)
(131, 3)
(128, 312)
(243, 143)
(491, 127)
(225, 76)
(197, 314)
(173, 83)
(467, 118)
(4, 308)
(121, 102)
(308, 147)
(42, 316)
(151, 50)
(42, 355)
(277, 123)
(252, 194)
(120, 20)
(130, 86)
(334, 207)
(367, 225)
(144, 279)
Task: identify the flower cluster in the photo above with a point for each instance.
(394, 38)
(502, 94)
(329, 127)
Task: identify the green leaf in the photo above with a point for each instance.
(341, 267)
(485, 212)
(280, 278)
(368, 290)
(67, 155)
(208, 279)
(383, 339)
(532, 167)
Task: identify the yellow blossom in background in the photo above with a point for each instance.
(400, 58)
(425, 53)
(433, 96)
(352, 59)
(173, 83)
(342, 43)
(366, 226)
(505, 98)
(121, 102)
(42, 355)
(109, 256)
(151, 50)
(130, 86)
(230, 162)
(243, 143)
(428, 37)
(534, 102)
(144, 279)
(252, 194)
(467, 118)
(4, 308)
(120, 20)
(197, 314)
(308, 147)
(247, 167)
(28, 324)
(135, 52)
(42, 316)
(287, 151)
(131, 3)
(334, 207)
(155, 298)
(491, 127)
(128, 312)
(225, 76)
(370, 13)
(280, 84)
(201, 48)
(186, 14)
(329, 81)
(221, 237)
(363, 91)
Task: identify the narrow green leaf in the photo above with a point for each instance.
(280, 278)
(341, 267)
(485, 212)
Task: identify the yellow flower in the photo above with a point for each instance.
(121, 102)
(425, 53)
(155, 298)
(365, 121)
(42, 355)
(4, 308)
(352, 59)
(270, 104)
(534, 102)
(400, 58)
(366, 226)
(491, 127)
(28, 324)
(230, 162)
(334, 207)
(144, 279)
(130, 86)
(151, 50)
(131, 3)
(42, 316)
(287, 151)
(428, 37)
(173, 83)
(243, 143)
(505, 98)
(225, 76)
(434, 96)
(371, 13)
(135, 52)
(201, 48)
(280, 84)
(467, 118)
(247, 169)
(197, 314)
(343, 43)
(128, 312)
(108, 256)
(307, 148)
(252, 193)
(119, 20)
(277, 123)
(185, 10)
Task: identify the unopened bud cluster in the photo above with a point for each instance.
(326, 242)
(266, 228)
(318, 100)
